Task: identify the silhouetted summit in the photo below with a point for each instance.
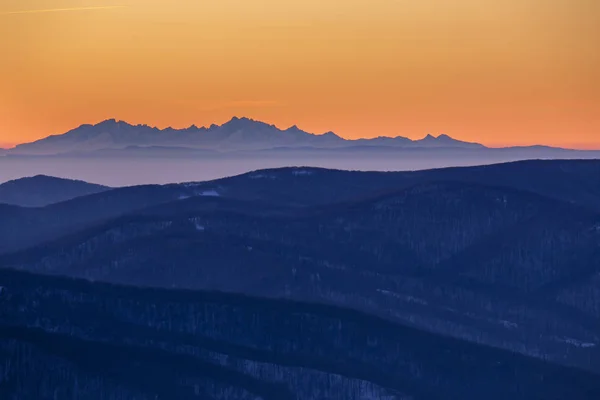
(41, 190)
(444, 140)
(239, 133)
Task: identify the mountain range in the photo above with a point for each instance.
(238, 134)
(306, 283)
(115, 153)
(505, 256)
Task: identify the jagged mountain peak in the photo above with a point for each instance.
(109, 121)
(442, 136)
(444, 140)
(242, 121)
(238, 133)
(332, 135)
(113, 122)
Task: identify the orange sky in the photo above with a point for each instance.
(496, 72)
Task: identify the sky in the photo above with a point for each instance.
(511, 72)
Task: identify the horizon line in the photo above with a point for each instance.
(578, 147)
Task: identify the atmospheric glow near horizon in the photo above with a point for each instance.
(510, 72)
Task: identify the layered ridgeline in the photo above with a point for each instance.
(41, 190)
(506, 255)
(239, 135)
(236, 134)
(116, 153)
(574, 182)
(61, 338)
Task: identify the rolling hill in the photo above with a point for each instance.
(102, 341)
(490, 264)
(41, 190)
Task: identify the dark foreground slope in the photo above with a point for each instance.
(22, 227)
(492, 265)
(515, 267)
(61, 338)
(41, 190)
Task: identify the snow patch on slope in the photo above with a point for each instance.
(576, 343)
(209, 193)
(406, 298)
(301, 172)
(262, 176)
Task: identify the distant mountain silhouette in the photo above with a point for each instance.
(41, 190)
(443, 141)
(236, 134)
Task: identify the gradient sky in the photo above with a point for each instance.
(496, 72)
